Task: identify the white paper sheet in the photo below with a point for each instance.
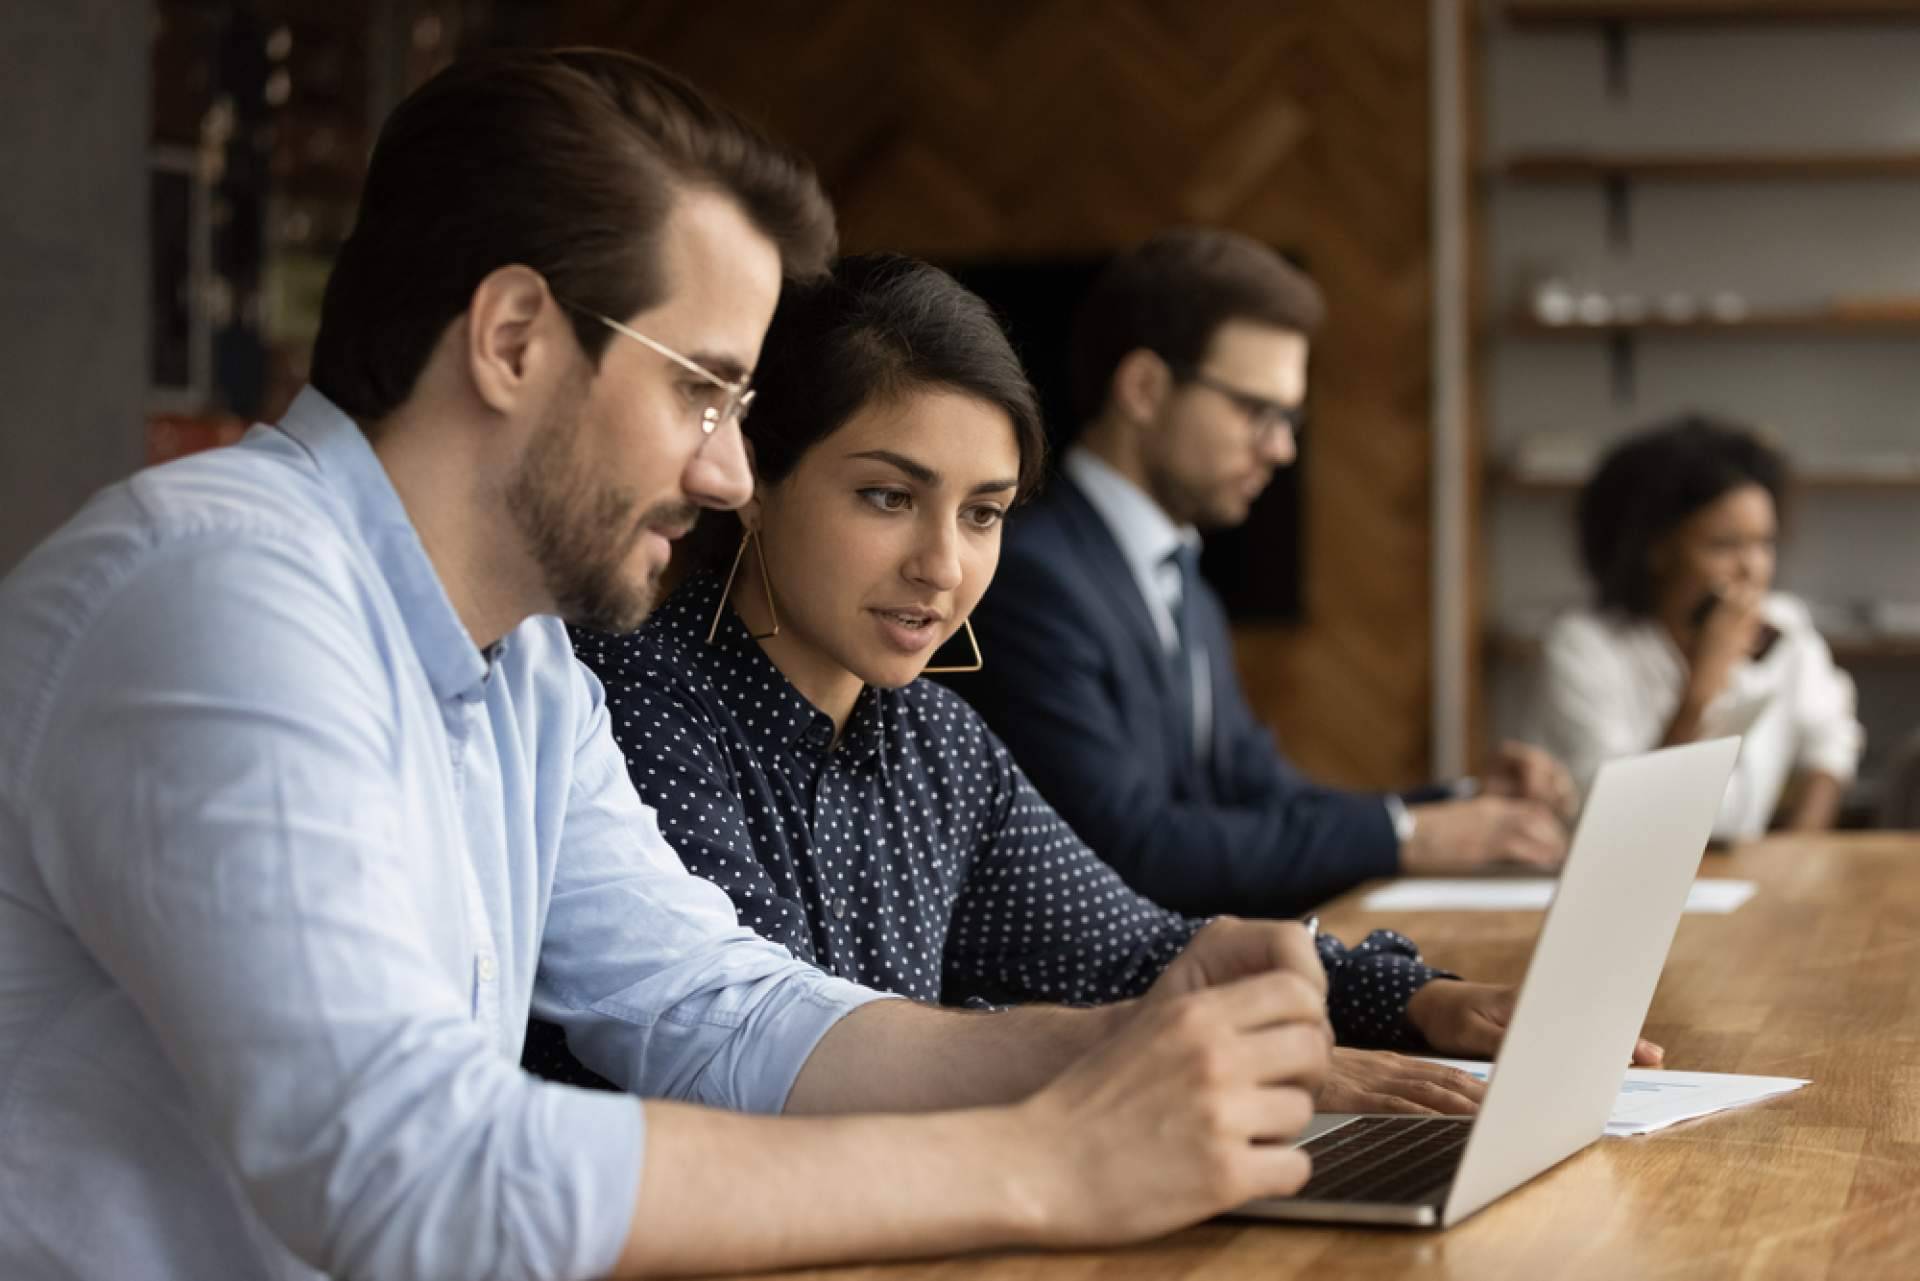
(1716, 897)
(1652, 1099)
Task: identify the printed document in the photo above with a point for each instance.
(1652, 1098)
(1715, 897)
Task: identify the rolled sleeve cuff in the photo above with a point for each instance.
(760, 1078)
(1370, 987)
(1837, 754)
(603, 1135)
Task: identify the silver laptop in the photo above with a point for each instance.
(1586, 993)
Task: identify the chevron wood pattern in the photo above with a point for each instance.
(962, 129)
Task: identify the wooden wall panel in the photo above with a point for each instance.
(963, 129)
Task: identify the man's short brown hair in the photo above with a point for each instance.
(565, 161)
(1172, 293)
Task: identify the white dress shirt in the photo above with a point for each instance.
(284, 862)
(1609, 686)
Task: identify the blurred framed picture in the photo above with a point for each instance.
(180, 332)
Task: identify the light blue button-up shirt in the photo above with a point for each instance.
(285, 861)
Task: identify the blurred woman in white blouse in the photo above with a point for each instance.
(1687, 638)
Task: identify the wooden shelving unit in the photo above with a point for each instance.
(1816, 480)
(1848, 648)
(1624, 37)
(1892, 317)
(1653, 166)
(1887, 318)
(1542, 13)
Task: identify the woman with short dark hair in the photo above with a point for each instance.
(1687, 640)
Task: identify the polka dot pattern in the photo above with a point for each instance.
(913, 856)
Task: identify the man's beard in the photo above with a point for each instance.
(579, 529)
(1185, 503)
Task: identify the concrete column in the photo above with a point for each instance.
(75, 103)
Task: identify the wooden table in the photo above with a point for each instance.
(1817, 976)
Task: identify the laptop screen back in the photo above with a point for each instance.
(1594, 967)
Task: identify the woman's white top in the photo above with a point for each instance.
(1609, 686)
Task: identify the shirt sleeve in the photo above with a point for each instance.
(1830, 734)
(677, 764)
(647, 967)
(218, 819)
(1370, 986)
(1580, 698)
(1041, 918)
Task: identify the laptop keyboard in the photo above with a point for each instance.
(1396, 1160)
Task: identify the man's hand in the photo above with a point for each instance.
(1529, 773)
(1186, 1113)
(1468, 1020)
(1378, 1081)
(1457, 836)
(1229, 948)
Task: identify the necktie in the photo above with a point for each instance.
(1192, 677)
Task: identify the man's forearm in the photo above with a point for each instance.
(1179, 1108)
(896, 1056)
(722, 1192)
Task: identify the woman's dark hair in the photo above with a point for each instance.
(1171, 294)
(1649, 484)
(877, 328)
(566, 161)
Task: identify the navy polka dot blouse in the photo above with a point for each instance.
(913, 856)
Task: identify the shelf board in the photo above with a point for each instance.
(1875, 649)
(1889, 318)
(1595, 166)
(1548, 13)
(1865, 647)
(1838, 480)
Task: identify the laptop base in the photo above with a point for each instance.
(1388, 1170)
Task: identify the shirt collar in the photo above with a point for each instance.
(1147, 537)
(794, 724)
(348, 466)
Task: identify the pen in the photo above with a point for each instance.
(1312, 921)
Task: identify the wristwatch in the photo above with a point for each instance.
(1404, 823)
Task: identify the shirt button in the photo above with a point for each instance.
(486, 969)
(839, 909)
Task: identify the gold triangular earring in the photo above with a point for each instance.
(766, 585)
(978, 662)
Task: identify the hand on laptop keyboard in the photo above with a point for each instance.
(1184, 1113)
(1379, 1081)
(1468, 1020)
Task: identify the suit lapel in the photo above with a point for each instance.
(1096, 548)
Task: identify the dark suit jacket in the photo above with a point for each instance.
(1077, 684)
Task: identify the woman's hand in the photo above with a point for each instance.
(1469, 1020)
(1724, 641)
(1380, 1081)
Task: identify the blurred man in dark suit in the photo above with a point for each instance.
(1109, 669)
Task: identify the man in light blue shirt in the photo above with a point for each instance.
(304, 804)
